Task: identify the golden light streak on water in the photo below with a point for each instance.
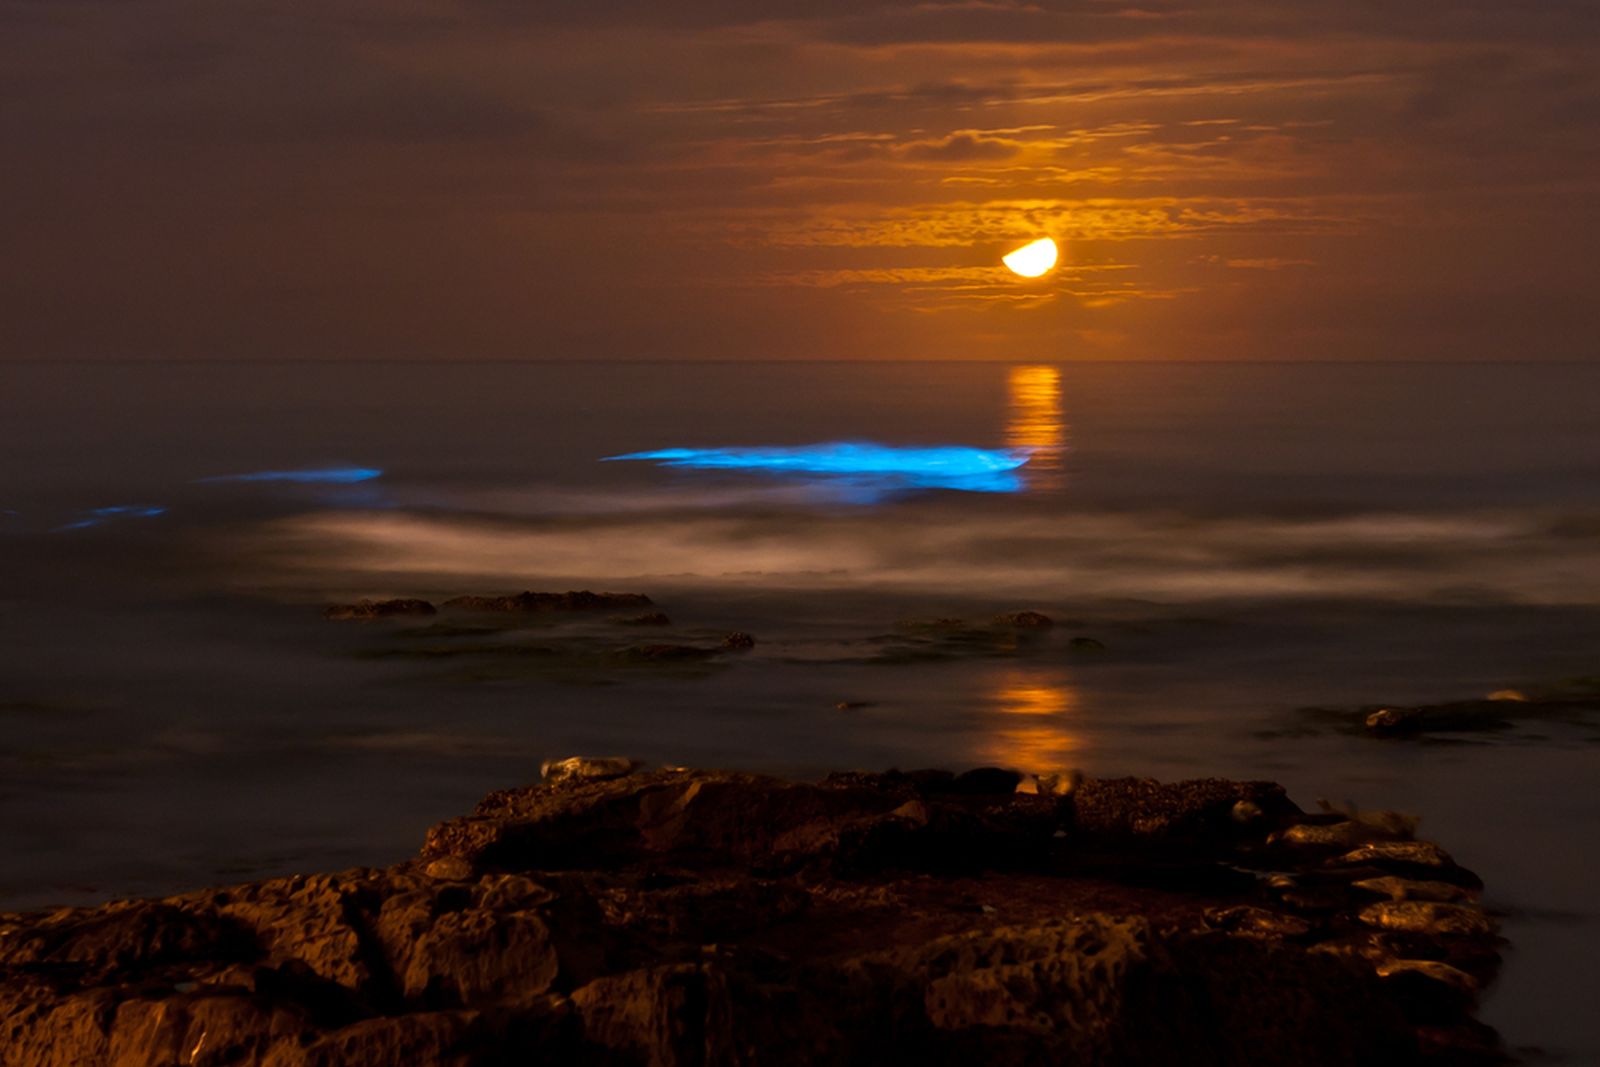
(1035, 421)
(1033, 731)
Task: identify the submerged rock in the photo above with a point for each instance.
(650, 618)
(379, 609)
(1025, 620)
(577, 600)
(1502, 710)
(614, 915)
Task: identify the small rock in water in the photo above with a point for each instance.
(378, 609)
(1086, 644)
(1390, 718)
(1025, 620)
(852, 705)
(1515, 695)
(1460, 716)
(575, 600)
(652, 618)
(587, 768)
(738, 641)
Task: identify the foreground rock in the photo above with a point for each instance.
(617, 916)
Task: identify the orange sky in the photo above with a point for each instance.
(830, 179)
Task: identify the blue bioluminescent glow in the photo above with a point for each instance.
(313, 476)
(96, 516)
(961, 467)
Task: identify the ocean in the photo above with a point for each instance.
(1222, 548)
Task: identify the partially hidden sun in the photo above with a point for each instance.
(1032, 260)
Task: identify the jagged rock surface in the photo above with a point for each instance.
(689, 917)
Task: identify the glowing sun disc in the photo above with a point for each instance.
(1032, 260)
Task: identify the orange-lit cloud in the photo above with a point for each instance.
(453, 178)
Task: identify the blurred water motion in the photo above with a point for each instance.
(97, 516)
(1033, 729)
(312, 476)
(1035, 422)
(861, 465)
(1249, 539)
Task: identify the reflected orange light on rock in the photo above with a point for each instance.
(1033, 733)
(1035, 421)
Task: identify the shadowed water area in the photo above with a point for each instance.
(1220, 548)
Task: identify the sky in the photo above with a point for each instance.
(798, 179)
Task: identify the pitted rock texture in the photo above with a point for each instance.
(683, 917)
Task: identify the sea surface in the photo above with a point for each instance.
(1237, 543)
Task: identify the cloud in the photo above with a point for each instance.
(479, 177)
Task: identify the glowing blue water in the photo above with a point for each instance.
(96, 516)
(314, 476)
(862, 464)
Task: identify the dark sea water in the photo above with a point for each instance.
(1245, 541)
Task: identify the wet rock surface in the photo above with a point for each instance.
(528, 602)
(1575, 702)
(400, 607)
(613, 915)
(553, 636)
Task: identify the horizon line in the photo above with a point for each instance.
(710, 361)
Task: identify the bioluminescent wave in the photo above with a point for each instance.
(312, 476)
(961, 467)
(96, 516)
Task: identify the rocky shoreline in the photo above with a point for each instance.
(614, 914)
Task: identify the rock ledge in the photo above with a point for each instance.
(678, 917)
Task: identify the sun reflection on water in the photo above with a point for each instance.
(1033, 731)
(1035, 421)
